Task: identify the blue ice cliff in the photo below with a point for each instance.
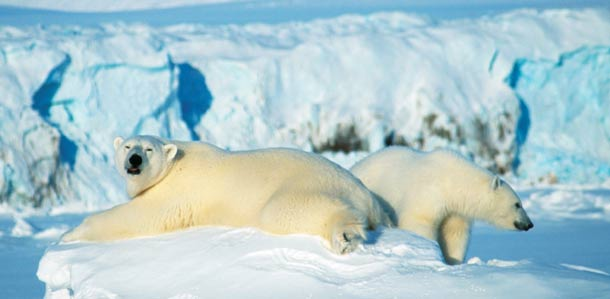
(526, 94)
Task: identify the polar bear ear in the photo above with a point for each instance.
(117, 142)
(170, 151)
(495, 183)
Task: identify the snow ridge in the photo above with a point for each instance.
(238, 263)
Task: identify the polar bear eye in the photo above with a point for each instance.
(127, 147)
(518, 205)
(149, 150)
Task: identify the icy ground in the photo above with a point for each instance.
(245, 263)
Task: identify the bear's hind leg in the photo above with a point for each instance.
(453, 236)
(290, 213)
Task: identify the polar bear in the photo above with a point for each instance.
(175, 185)
(438, 194)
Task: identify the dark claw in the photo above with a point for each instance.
(345, 237)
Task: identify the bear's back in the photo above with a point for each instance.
(400, 174)
(308, 171)
(389, 173)
(455, 167)
(261, 172)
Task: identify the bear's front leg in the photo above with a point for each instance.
(453, 237)
(84, 232)
(113, 224)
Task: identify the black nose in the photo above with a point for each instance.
(523, 225)
(135, 160)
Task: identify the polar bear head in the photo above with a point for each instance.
(505, 208)
(143, 161)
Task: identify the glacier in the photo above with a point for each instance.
(568, 100)
(524, 93)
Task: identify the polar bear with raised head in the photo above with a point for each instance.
(438, 194)
(175, 185)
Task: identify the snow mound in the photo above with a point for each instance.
(247, 263)
(22, 228)
(52, 233)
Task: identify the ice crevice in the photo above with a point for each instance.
(193, 95)
(189, 98)
(42, 100)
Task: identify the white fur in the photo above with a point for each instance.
(438, 194)
(282, 191)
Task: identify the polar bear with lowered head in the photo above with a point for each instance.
(175, 185)
(438, 194)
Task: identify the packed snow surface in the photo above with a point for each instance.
(351, 83)
(562, 257)
(239, 263)
(224, 263)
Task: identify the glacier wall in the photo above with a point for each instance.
(568, 102)
(352, 83)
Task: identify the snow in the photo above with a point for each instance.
(587, 269)
(249, 263)
(241, 261)
(351, 83)
(22, 228)
(568, 204)
(53, 233)
(244, 262)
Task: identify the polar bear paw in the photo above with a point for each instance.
(71, 236)
(78, 233)
(348, 238)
